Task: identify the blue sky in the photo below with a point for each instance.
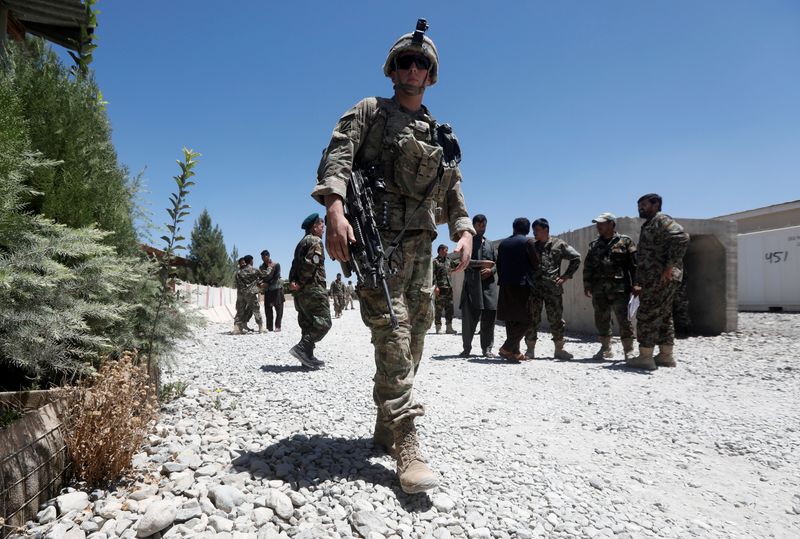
(563, 109)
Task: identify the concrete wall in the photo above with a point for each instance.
(711, 266)
(769, 270)
(768, 218)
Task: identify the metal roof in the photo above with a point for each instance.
(58, 21)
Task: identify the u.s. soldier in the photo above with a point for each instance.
(420, 188)
(338, 293)
(443, 289)
(308, 285)
(662, 245)
(608, 274)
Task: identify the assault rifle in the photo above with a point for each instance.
(368, 260)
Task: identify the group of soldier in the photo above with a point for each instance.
(416, 187)
(342, 295)
(250, 282)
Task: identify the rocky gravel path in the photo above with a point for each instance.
(258, 447)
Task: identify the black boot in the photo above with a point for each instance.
(304, 352)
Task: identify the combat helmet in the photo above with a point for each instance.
(416, 41)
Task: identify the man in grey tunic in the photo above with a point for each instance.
(479, 294)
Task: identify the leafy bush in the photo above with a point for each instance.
(108, 418)
(67, 122)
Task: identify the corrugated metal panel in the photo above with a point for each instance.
(769, 270)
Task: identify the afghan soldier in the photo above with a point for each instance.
(419, 187)
(307, 282)
(247, 280)
(608, 275)
(479, 293)
(351, 294)
(273, 291)
(443, 289)
(548, 287)
(338, 293)
(662, 245)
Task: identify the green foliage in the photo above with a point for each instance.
(66, 121)
(207, 253)
(171, 391)
(87, 42)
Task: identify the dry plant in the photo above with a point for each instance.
(108, 419)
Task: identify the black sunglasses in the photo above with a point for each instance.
(404, 62)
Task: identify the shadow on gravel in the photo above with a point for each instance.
(492, 361)
(446, 357)
(621, 366)
(278, 369)
(309, 461)
(581, 360)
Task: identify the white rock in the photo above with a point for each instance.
(368, 522)
(72, 501)
(143, 492)
(47, 515)
(220, 524)
(442, 502)
(280, 503)
(226, 497)
(159, 515)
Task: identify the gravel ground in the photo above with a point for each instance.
(259, 447)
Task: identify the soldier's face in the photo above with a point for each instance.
(413, 75)
(443, 251)
(480, 228)
(647, 209)
(606, 229)
(541, 233)
(318, 228)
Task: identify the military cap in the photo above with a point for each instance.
(605, 217)
(309, 221)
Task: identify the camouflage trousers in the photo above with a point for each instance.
(338, 304)
(444, 305)
(554, 309)
(247, 306)
(313, 312)
(654, 316)
(604, 304)
(398, 352)
(680, 307)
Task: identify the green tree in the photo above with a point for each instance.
(208, 254)
(67, 122)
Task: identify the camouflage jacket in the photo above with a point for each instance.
(308, 266)
(662, 243)
(610, 266)
(338, 289)
(441, 271)
(401, 145)
(247, 279)
(551, 254)
(351, 292)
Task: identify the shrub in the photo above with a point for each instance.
(108, 418)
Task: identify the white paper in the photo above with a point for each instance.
(633, 306)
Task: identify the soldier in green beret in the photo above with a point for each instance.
(308, 285)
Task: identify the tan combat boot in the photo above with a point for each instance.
(382, 437)
(605, 351)
(560, 353)
(450, 330)
(664, 357)
(415, 475)
(530, 353)
(237, 330)
(644, 360)
(260, 327)
(627, 347)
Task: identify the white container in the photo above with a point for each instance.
(769, 270)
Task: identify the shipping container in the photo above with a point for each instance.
(769, 270)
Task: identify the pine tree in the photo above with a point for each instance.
(234, 265)
(208, 254)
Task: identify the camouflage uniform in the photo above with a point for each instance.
(247, 279)
(401, 145)
(311, 301)
(608, 274)
(662, 243)
(442, 266)
(545, 291)
(680, 307)
(338, 292)
(351, 293)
